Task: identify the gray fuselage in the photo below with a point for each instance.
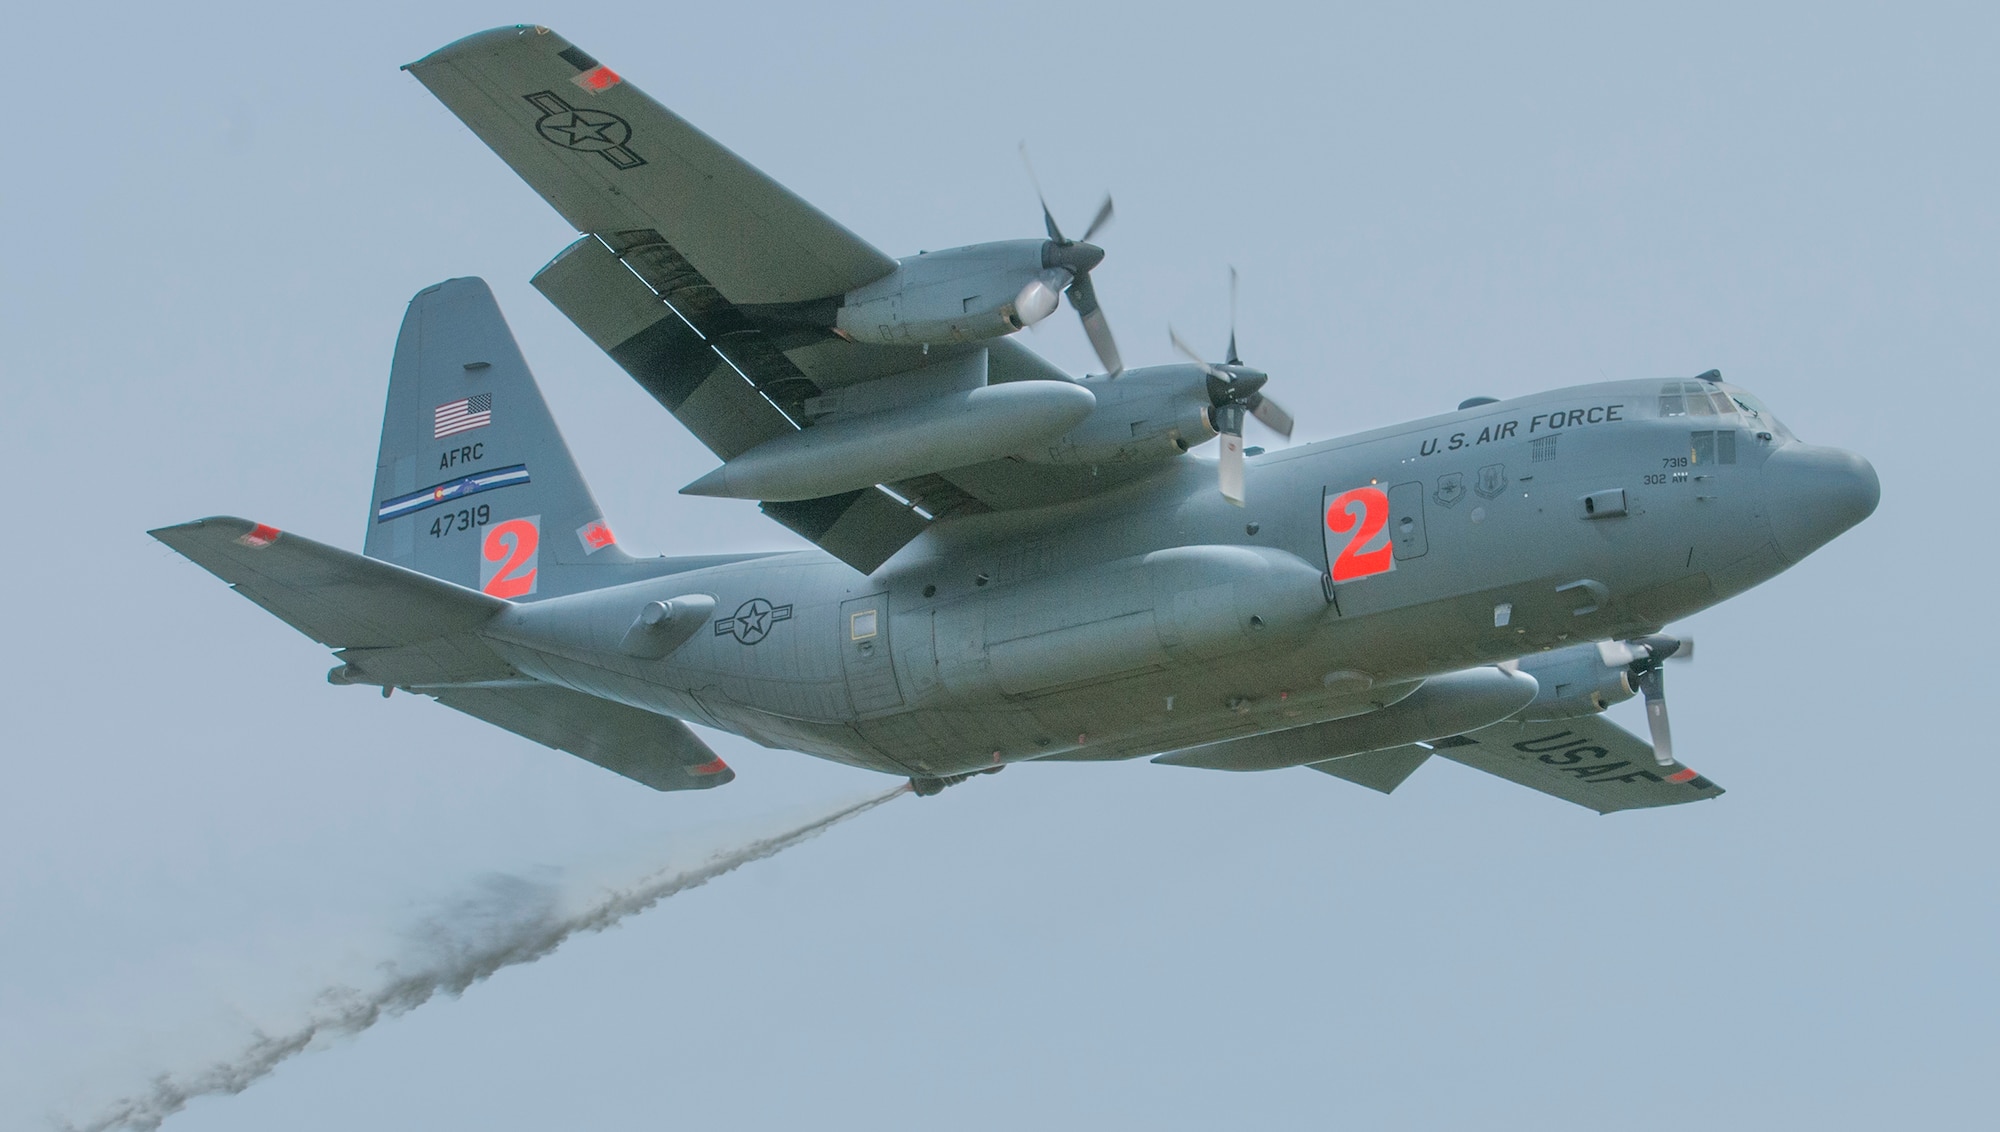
(1156, 616)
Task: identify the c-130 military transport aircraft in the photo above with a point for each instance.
(1013, 565)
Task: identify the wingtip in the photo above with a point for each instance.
(713, 773)
(197, 524)
(491, 37)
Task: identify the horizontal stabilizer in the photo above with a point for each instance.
(334, 596)
(654, 750)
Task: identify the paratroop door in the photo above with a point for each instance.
(865, 656)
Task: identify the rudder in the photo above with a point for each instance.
(473, 483)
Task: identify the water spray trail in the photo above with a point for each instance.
(515, 940)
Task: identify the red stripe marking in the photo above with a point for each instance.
(1682, 775)
(708, 768)
(260, 536)
(597, 79)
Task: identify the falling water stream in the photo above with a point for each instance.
(511, 923)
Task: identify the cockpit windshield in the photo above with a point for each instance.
(1759, 418)
(1712, 400)
(1694, 399)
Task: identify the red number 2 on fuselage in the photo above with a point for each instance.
(512, 544)
(1364, 511)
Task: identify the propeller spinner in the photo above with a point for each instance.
(1234, 390)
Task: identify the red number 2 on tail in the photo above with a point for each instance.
(1365, 511)
(512, 544)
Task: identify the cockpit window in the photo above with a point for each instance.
(1694, 398)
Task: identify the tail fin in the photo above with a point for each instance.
(474, 484)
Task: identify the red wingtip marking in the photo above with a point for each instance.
(597, 79)
(1682, 775)
(708, 768)
(260, 536)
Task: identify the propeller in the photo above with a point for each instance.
(1066, 266)
(1231, 390)
(1644, 658)
(1235, 389)
(1269, 413)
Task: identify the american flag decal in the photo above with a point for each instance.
(462, 415)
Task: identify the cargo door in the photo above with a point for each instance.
(865, 656)
(1370, 530)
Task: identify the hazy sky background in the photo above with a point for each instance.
(214, 215)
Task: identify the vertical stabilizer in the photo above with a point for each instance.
(474, 484)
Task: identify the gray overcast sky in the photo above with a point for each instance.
(213, 216)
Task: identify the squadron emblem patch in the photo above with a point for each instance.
(585, 130)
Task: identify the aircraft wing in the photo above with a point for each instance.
(612, 160)
(736, 380)
(1590, 761)
(711, 284)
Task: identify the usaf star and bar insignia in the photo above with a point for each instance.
(752, 620)
(584, 129)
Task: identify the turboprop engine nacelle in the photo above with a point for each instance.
(962, 294)
(1146, 414)
(1575, 681)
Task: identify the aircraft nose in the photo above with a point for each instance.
(1816, 493)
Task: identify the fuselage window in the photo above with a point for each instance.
(1712, 447)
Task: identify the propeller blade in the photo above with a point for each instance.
(1232, 359)
(1099, 332)
(1228, 422)
(1197, 359)
(1268, 412)
(1103, 217)
(1083, 297)
(1230, 469)
(1653, 686)
(1048, 218)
